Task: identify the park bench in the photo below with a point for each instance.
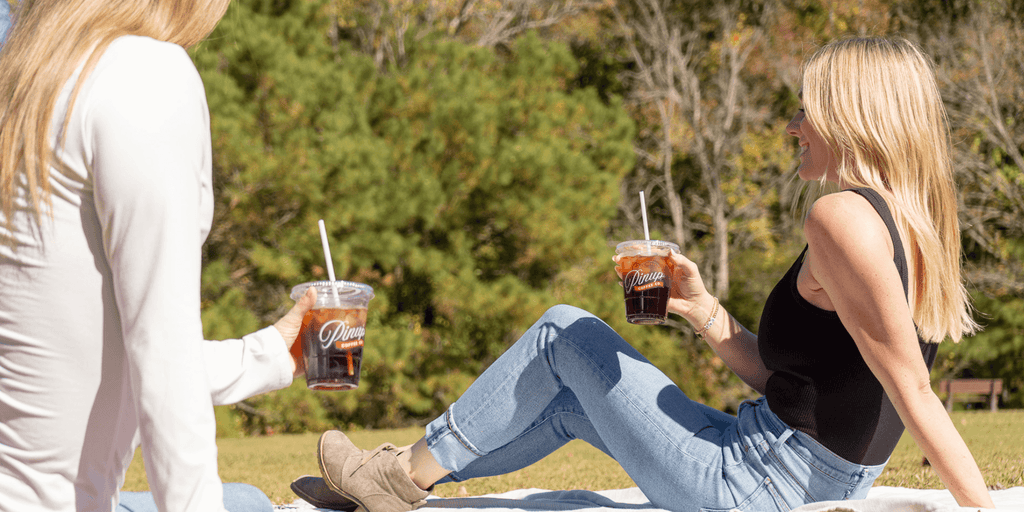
(973, 388)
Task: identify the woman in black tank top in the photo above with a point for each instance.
(847, 338)
(842, 356)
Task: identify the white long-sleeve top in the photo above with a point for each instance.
(101, 344)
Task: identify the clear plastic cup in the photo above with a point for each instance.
(647, 273)
(330, 343)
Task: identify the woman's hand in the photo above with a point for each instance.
(736, 345)
(290, 324)
(688, 297)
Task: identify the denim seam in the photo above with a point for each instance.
(668, 439)
(549, 356)
(853, 485)
(458, 435)
(767, 485)
(777, 461)
(815, 464)
(482, 406)
(539, 423)
(453, 431)
(779, 500)
(827, 474)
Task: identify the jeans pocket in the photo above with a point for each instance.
(765, 498)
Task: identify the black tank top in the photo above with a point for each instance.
(820, 383)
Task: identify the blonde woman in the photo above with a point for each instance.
(105, 201)
(842, 353)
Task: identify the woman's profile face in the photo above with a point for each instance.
(816, 159)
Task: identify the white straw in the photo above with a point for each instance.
(643, 213)
(327, 255)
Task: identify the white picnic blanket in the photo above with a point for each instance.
(880, 499)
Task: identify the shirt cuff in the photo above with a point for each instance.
(276, 351)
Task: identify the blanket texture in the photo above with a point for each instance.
(880, 499)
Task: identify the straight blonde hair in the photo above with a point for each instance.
(876, 104)
(49, 41)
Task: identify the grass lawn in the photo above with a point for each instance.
(271, 463)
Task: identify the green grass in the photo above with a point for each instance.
(995, 439)
(271, 463)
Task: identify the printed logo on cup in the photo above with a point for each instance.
(341, 335)
(648, 276)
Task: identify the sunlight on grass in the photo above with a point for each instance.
(995, 439)
(271, 463)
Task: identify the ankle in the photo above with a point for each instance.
(405, 461)
(423, 469)
(419, 483)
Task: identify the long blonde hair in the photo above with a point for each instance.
(876, 104)
(50, 39)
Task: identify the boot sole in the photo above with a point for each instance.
(313, 499)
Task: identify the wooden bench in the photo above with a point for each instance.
(991, 387)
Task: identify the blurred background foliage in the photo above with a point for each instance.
(475, 162)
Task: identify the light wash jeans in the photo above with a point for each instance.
(5, 21)
(237, 498)
(572, 377)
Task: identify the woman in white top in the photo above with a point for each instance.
(105, 202)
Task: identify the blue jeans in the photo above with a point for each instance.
(572, 377)
(237, 498)
(5, 21)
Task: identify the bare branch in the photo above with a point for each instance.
(459, 20)
(514, 17)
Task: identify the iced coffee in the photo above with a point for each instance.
(647, 271)
(333, 333)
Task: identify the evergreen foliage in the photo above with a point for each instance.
(462, 187)
(994, 353)
(475, 175)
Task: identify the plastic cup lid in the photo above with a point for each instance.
(622, 246)
(346, 290)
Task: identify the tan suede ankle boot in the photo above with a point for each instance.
(372, 478)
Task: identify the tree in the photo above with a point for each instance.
(694, 72)
(385, 29)
(981, 71)
(460, 186)
(502, 23)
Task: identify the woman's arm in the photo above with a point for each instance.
(257, 363)
(150, 146)
(240, 368)
(849, 255)
(731, 341)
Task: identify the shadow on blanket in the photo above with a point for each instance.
(880, 499)
(536, 499)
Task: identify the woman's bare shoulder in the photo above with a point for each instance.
(846, 222)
